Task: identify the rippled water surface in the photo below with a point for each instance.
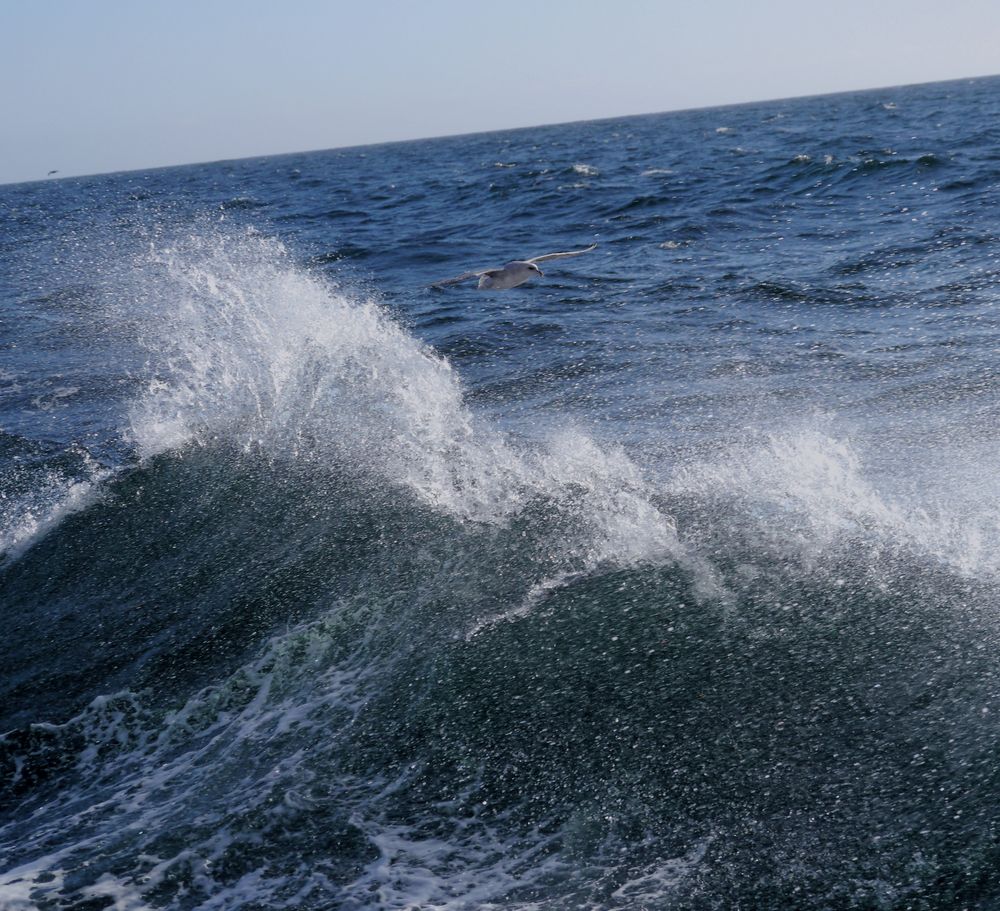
(668, 580)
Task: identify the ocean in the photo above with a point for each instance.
(668, 580)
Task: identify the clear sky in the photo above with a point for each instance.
(105, 85)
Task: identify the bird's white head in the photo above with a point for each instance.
(535, 268)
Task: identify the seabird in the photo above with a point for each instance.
(513, 274)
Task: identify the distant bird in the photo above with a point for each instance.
(51, 173)
(510, 276)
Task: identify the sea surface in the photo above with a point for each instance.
(670, 580)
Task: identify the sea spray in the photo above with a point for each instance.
(250, 348)
(445, 651)
(810, 494)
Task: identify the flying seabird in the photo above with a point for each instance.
(513, 274)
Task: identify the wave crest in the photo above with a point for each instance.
(250, 348)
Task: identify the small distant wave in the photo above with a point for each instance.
(774, 290)
(817, 173)
(889, 159)
(242, 203)
(586, 170)
(344, 251)
(642, 201)
(814, 163)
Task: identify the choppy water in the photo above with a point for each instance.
(670, 580)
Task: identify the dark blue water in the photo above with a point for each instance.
(668, 580)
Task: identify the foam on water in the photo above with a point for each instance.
(26, 518)
(250, 763)
(810, 490)
(141, 774)
(248, 347)
(402, 657)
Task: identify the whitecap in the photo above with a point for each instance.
(248, 347)
(810, 492)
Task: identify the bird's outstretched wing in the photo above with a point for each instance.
(547, 256)
(463, 277)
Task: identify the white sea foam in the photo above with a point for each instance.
(536, 594)
(206, 767)
(235, 765)
(25, 519)
(811, 490)
(655, 883)
(18, 886)
(53, 399)
(253, 349)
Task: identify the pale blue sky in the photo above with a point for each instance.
(107, 85)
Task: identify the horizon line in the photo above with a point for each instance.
(533, 126)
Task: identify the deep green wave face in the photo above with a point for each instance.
(814, 735)
(668, 581)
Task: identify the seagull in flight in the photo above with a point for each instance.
(513, 274)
